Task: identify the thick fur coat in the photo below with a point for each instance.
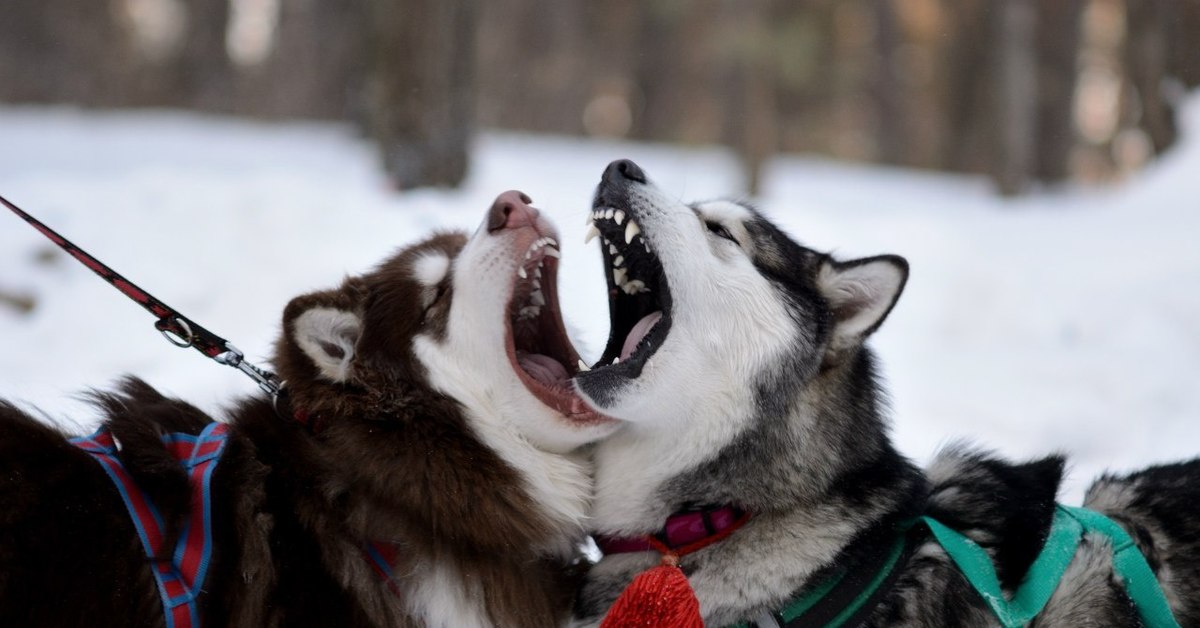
(419, 431)
(737, 361)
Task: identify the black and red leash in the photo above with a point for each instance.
(180, 330)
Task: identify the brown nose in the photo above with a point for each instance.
(510, 211)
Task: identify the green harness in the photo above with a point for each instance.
(1066, 531)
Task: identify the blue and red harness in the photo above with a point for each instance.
(180, 578)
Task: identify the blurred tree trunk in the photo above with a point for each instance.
(886, 88)
(317, 64)
(750, 125)
(59, 51)
(966, 136)
(1058, 37)
(205, 75)
(421, 88)
(1184, 62)
(1147, 25)
(1016, 96)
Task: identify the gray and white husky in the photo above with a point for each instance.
(737, 359)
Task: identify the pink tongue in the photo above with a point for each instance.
(638, 332)
(544, 369)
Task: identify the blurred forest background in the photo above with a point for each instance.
(1027, 92)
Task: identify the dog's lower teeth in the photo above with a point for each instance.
(552, 252)
(620, 261)
(619, 276)
(521, 272)
(530, 311)
(537, 298)
(583, 367)
(612, 249)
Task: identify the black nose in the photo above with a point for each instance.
(623, 169)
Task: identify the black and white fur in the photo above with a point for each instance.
(755, 390)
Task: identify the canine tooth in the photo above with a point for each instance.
(521, 272)
(537, 298)
(583, 367)
(552, 252)
(632, 229)
(620, 261)
(591, 233)
(619, 216)
(619, 276)
(617, 360)
(608, 214)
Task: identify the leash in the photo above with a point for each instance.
(178, 329)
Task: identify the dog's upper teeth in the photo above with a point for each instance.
(583, 366)
(521, 272)
(537, 275)
(608, 213)
(619, 216)
(619, 261)
(619, 276)
(631, 230)
(592, 232)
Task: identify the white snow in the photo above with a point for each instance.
(1065, 321)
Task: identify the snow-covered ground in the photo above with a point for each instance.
(1065, 321)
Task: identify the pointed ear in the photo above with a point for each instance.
(328, 336)
(861, 293)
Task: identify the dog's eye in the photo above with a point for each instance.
(720, 231)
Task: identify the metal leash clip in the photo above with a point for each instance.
(234, 357)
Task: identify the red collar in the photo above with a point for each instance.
(683, 533)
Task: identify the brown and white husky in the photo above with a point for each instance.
(438, 420)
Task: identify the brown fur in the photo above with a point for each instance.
(394, 461)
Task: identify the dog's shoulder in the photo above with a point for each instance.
(1004, 506)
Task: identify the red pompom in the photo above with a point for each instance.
(658, 597)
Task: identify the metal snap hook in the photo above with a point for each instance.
(176, 339)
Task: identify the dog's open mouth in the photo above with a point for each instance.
(537, 344)
(639, 301)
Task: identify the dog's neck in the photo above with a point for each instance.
(825, 444)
